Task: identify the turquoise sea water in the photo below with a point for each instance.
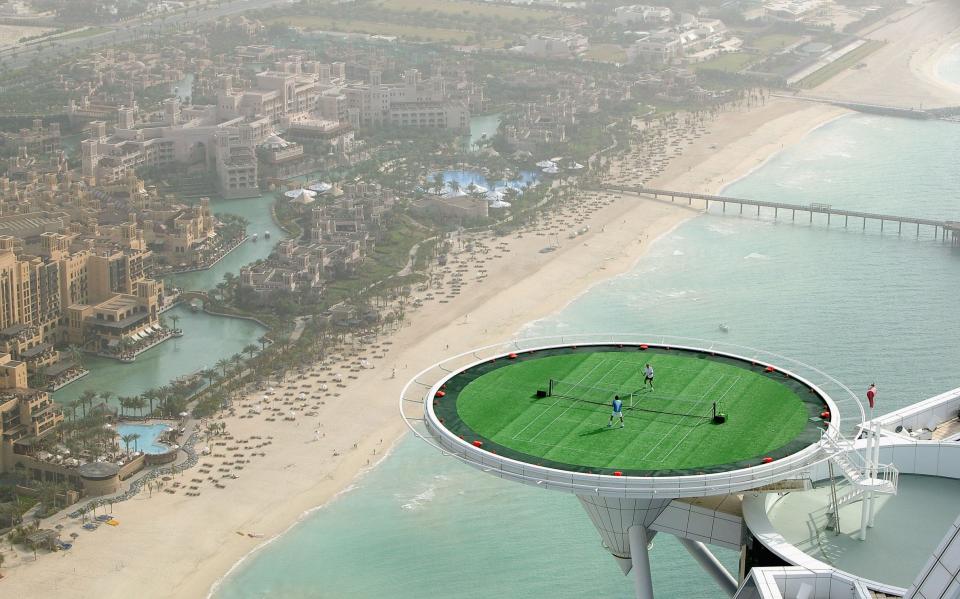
(861, 305)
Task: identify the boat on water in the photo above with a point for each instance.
(254, 237)
(195, 306)
(266, 234)
(724, 328)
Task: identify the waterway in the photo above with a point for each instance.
(206, 338)
(257, 212)
(483, 127)
(863, 306)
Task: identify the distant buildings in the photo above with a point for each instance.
(415, 102)
(341, 230)
(791, 10)
(693, 41)
(640, 14)
(95, 297)
(26, 415)
(310, 101)
(560, 44)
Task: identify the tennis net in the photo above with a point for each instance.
(640, 400)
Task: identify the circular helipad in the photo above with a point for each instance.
(704, 413)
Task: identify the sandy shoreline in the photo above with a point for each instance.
(171, 545)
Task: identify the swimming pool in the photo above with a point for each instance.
(148, 441)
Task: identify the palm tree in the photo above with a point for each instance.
(223, 364)
(263, 341)
(209, 374)
(438, 183)
(86, 400)
(105, 396)
(236, 359)
(137, 402)
(150, 395)
(250, 349)
(175, 319)
(127, 440)
(72, 405)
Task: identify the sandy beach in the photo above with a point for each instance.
(179, 545)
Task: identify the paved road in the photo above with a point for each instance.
(123, 32)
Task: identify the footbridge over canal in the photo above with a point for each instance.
(942, 230)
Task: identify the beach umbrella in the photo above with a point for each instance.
(545, 164)
(320, 187)
(184, 414)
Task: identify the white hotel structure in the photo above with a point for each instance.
(868, 512)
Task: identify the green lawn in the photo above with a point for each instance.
(669, 429)
(606, 53)
(469, 11)
(732, 62)
(373, 27)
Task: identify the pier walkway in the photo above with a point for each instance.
(948, 113)
(942, 229)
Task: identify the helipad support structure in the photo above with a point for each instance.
(719, 423)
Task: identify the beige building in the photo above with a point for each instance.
(42, 295)
(413, 103)
(25, 414)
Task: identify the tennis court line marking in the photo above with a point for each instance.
(684, 438)
(646, 455)
(589, 372)
(575, 402)
(587, 451)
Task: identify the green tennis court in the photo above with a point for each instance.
(667, 430)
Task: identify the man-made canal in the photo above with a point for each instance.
(206, 339)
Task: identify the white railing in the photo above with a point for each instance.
(856, 468)
(416, 410)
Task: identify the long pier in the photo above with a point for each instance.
(947, 113)
(943, 230)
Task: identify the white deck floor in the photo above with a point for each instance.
(909, 526)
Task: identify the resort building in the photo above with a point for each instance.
(642, 14)
(195, 135)
(292, 266)
(413, 103)
(791, 11)
(118, 322)
(659, 48)
(26, 415)
(560, 44)
(48, 298)
(38, 139)
(179, 234)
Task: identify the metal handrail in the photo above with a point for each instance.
(539, 475)
(845, 447)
